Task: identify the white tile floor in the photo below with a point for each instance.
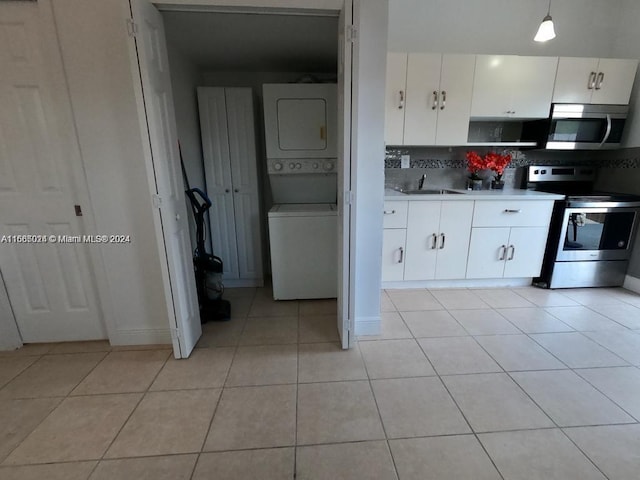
(464, 384)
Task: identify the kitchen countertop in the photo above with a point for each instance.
(506, 194)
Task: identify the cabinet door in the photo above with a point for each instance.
(244, 173)
(492, 85)
(423, 90)
(615, 81)
(393, 246)
(574, 80)
(532, 87)
(456, 88)
(422, 237)
(525, 252)
(217, 169)
(395, 98)
(453, 244)
(487, 251)
(395, 214)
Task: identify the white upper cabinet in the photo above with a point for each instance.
(396, 88)
(511, 86)
(594, 80)
(432, 106)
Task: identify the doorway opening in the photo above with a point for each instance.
(221, 53)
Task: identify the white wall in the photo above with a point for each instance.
(94, 45)
(583, 27)
(370, 58)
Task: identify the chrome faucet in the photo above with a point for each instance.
(421, 181)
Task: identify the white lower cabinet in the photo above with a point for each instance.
(506, 252)
(438, 239)
(393, 254)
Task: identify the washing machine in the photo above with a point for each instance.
(304, 250)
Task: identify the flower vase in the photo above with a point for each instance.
(497, 184)
(474, 184)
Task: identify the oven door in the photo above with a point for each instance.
(597, 233)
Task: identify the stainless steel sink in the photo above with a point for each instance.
(441, 191)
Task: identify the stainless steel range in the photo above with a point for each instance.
(591, 232)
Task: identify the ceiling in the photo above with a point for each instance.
(254, 42)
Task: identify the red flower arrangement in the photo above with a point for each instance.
(475, 163)
(492, 161)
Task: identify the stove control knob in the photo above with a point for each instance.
(298, 166)
(315, 165)
(543, 172)
(277, 166)
(328, 166)
(292, 165)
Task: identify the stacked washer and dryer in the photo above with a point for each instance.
(300, 137)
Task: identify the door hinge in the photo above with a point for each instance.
(352, 33)
(157, 200)
(348, 197)
(132, 28)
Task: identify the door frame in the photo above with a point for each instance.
(10, 338)
(329, 7)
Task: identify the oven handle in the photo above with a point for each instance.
(607, 133)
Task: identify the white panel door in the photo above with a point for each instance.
(492, 85)
(532, 87)
(614, 81)
(217, 169)
(182, 301)
(393, 253)
(345, 317)
(244, 173)
(454, 106)
(422, 94)
(575, 80)
(422, 237)
(453, 241)
(395, 101)
(526, 251)
(487, 252)
(50, 285)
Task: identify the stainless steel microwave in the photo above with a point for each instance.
(585, 127)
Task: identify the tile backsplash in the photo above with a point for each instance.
(445, 167)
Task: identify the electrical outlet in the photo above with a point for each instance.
(405, 161)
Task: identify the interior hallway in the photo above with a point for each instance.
(462, 384)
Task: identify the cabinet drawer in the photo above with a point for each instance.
(395, 214)
(512, 213)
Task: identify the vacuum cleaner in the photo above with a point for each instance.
(208, 267)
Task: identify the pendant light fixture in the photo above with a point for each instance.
(546, 31)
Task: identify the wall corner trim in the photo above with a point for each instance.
(632, 283)
(368, 326)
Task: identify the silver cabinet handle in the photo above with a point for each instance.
(512, 210)
(443, 239)
(434, 241)
(386, 212)
(503, 251)
(513, 252)
(444, 100)
(599, 81)
(435, 100)
(401, 104)
(401, 255)
(592, 81)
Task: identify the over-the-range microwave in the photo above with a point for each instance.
(579, 127)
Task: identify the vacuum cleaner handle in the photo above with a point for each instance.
(197, 204)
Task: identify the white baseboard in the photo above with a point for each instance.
(465, 283)
(632, 283)
(154, 336)
(367, 326)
